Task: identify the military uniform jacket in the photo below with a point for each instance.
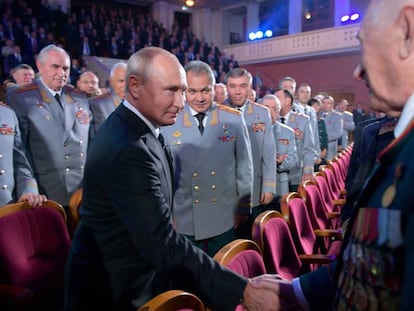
(263, 148)
(101, 107)
(212, 171)
(305, 146)
(349, 126)
(334, 129)
(313, 118)
(286, 146)
(15, 171)
(56, 139)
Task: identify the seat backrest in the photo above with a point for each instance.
(279, 251)
(74, 205)
(294, 211)
(34, 244)
(242, 256)
(174, 300)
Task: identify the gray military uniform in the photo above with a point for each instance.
(212, 171)
(286, 146)
(55, 138)
(349, 126)
(305, 146)
(16, 176)
(334, 128)
(101, 107)
(263, 148)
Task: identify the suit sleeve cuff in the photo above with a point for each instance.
(300, 296)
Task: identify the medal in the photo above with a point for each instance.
(390, 192)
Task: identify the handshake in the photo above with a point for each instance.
(269, 292)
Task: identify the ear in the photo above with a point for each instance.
(407, 26)
(134, 85)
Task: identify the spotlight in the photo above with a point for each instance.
(354, 17)
(189, 3)
(268, 33)
(345, 18)
(308, 15)
(259, 34)
(252, 36)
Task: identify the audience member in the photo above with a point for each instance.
(89, 83)
(208, 190)
(54, 122)
(286, 153)
(125, 250)
(349, 125)
(220, 93)
(16, 175)
(334, 126)
(102, 106)
(323, 136)
(257, 117)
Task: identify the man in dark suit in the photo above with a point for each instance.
(375, 270)
(126, 249)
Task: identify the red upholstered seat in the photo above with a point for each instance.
(34, 244)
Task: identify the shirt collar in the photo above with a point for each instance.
(49, 89)
(154, 130)
(406, 116)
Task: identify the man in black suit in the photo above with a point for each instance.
(125, 249)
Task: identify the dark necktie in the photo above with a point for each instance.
(200, 116)
(57, 96)
(167, 154)
(282, 119)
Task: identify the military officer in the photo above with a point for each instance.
(103, 105)
(54, 121)
(334, 126)
(238, 82)
(286, 153)
(16, 176)
(211, 150)
(349, 125)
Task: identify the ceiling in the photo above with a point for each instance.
(211, 4)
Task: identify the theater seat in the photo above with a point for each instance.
(34, 244)
(74, 205)
(174, 300)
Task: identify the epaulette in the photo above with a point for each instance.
(348, 113)
(302, 115)
(104, 95)
(228, 109)
(26, 88)
(71, 89)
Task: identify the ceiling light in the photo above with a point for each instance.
(189, 3)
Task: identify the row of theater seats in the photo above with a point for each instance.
(34, 244)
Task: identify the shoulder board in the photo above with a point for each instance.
(26, 88)
(71, 89)
(104, 95)
(348, 113)
(228, 109)
(302, 115)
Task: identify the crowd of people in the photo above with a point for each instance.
(175, 162)
(96, 29)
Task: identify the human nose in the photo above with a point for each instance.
(179, 100)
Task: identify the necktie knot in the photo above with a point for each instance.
(282, 119)
(200, 117)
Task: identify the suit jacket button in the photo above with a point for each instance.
(66, 157)
(196, 188)
(195, 175)
(4, 187)
(81, 142)
(214, 200)
(213, 187)
(2, 172)
(1, 155)
(67, 170)
(197, 201)
(213, 173)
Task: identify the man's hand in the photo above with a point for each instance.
(266, 197)
(286, 299)
(33, 199)
(260, 298)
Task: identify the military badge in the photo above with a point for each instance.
(283, 141)
(5, 130)
(259, 127)
(298, 133)
(82, 116)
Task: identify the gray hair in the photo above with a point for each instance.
(199, 67)
(116, 66)
(237, 73)
(43, 54)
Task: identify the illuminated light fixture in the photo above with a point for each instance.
(351, 18)
(260, 35)
(189, 3)
(308, 15)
